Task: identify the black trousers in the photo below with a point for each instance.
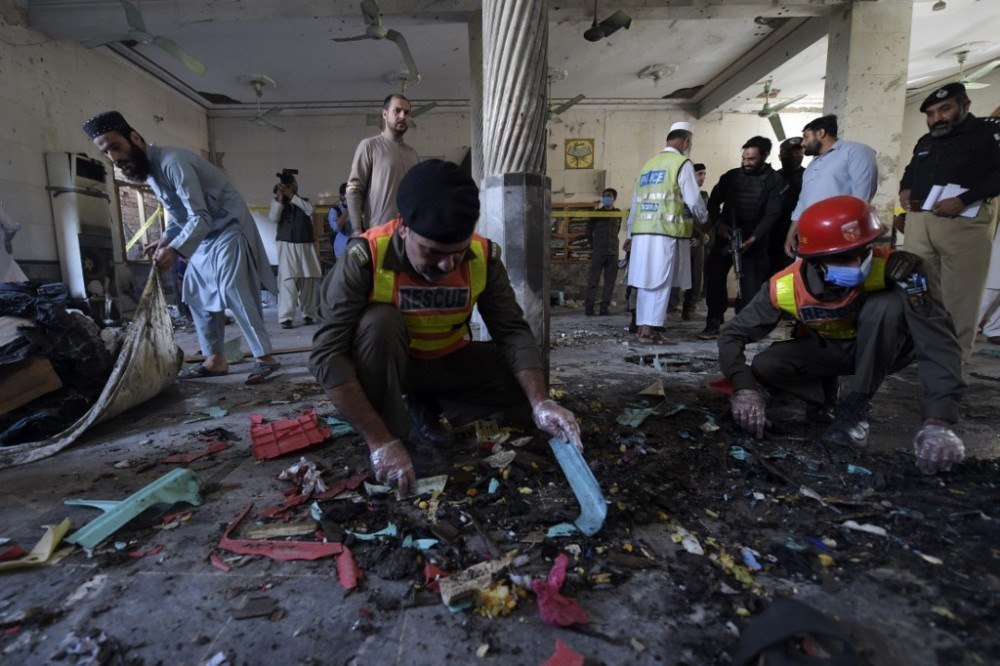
(607, 265)
(718, 263)
(475, 380)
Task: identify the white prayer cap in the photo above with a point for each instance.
(681, 125)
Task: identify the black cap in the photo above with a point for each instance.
(439, 201)
(791, 143)
(954, 89)
(109, 121)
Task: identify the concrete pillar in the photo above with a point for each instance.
(866, 62)
(476, 85)
(515, 192)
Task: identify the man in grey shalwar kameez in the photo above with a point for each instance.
(210, 225)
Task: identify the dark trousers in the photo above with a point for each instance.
(476, 378)
(606, 264)
(883, 346)
(718, 263)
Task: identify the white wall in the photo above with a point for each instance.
(49, 88)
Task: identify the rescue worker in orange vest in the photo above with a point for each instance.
(863, 311)
(394, 335)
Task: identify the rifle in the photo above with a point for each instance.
(736, 247)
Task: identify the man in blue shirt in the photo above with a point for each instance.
(838, 167)
(339, 219)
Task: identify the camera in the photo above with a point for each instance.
(286, 176)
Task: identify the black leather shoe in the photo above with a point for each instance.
(286, 324)
(711, 331)
(426, 425)
(589, 310)
(850, 422)
(308, 321)
(604, 311)
(817, 413)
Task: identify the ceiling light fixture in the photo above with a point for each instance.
(939, 5)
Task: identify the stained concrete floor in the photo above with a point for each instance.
(175, 608)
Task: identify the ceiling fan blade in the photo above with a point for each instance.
(975, 85)
(270, 113)
(779, 130)
(94, 42)
(615, 22)
(275, 127)
(565, 105)
(421, 110)
(400, 41)
(370, 10)
(133, 16)
(351, 39)
(779, 107)
(171, 47)
(982, 71)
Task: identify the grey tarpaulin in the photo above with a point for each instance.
(147, 364)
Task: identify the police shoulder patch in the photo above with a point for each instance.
(494, 251)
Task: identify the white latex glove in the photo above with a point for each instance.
(392, 465)
(748, 410)
(558, 421)
(937, 448)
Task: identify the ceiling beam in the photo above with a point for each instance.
(60, 18)
(786, 42)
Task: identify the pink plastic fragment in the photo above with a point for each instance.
(219, 564)
(277, 438)
(563, 656)
(553, 607)
(281, 551)
(293, 499)
(348, 571)
(187, 458)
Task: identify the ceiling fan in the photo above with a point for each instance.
(553, 112)
(137, 34)
(771, 112)
(970, 80)
(608, 26)
(375, 30)
(263, 119)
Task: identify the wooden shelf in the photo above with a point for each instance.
(568, 243)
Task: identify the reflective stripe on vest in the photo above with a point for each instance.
(831, 319)
(660, 200)
(436, 313)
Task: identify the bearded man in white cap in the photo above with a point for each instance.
(666, 203)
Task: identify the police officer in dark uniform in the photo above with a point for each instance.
(862, 311)
(750, 200)
(791, 154)
(964, 151)
(395, 315)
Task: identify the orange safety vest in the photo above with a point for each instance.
(831, 319)
(436, 313)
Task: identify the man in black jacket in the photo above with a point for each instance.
(298, 261)
(949, 191)
(747, 199)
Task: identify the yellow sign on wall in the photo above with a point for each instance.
(579, 153)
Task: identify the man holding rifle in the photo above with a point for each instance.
(744, 206)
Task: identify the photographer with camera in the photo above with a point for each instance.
(298, 261)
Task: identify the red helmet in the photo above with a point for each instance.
(837, 224)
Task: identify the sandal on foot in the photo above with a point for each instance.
(200, 371)
(790, 633)
(655, 339)
(261, 371)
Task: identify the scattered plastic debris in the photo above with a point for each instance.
(188, 458)
(389, 530)
(562, 530)
(738, 453)
(859, 470)
(179, 485)
(306, 477)
(563, 656)
(281, 551)
(206, 413)
(866, 527)
(284, 436)
(44, 551)
(338, 428)
(501, 459)
(593, 508)
(687, 540)
(930, 559)
(553, 607)
(750, 559)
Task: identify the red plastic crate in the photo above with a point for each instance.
(278, 438)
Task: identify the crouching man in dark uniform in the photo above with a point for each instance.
(864, 312)
(395, 315)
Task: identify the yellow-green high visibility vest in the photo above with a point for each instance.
(660, 200)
